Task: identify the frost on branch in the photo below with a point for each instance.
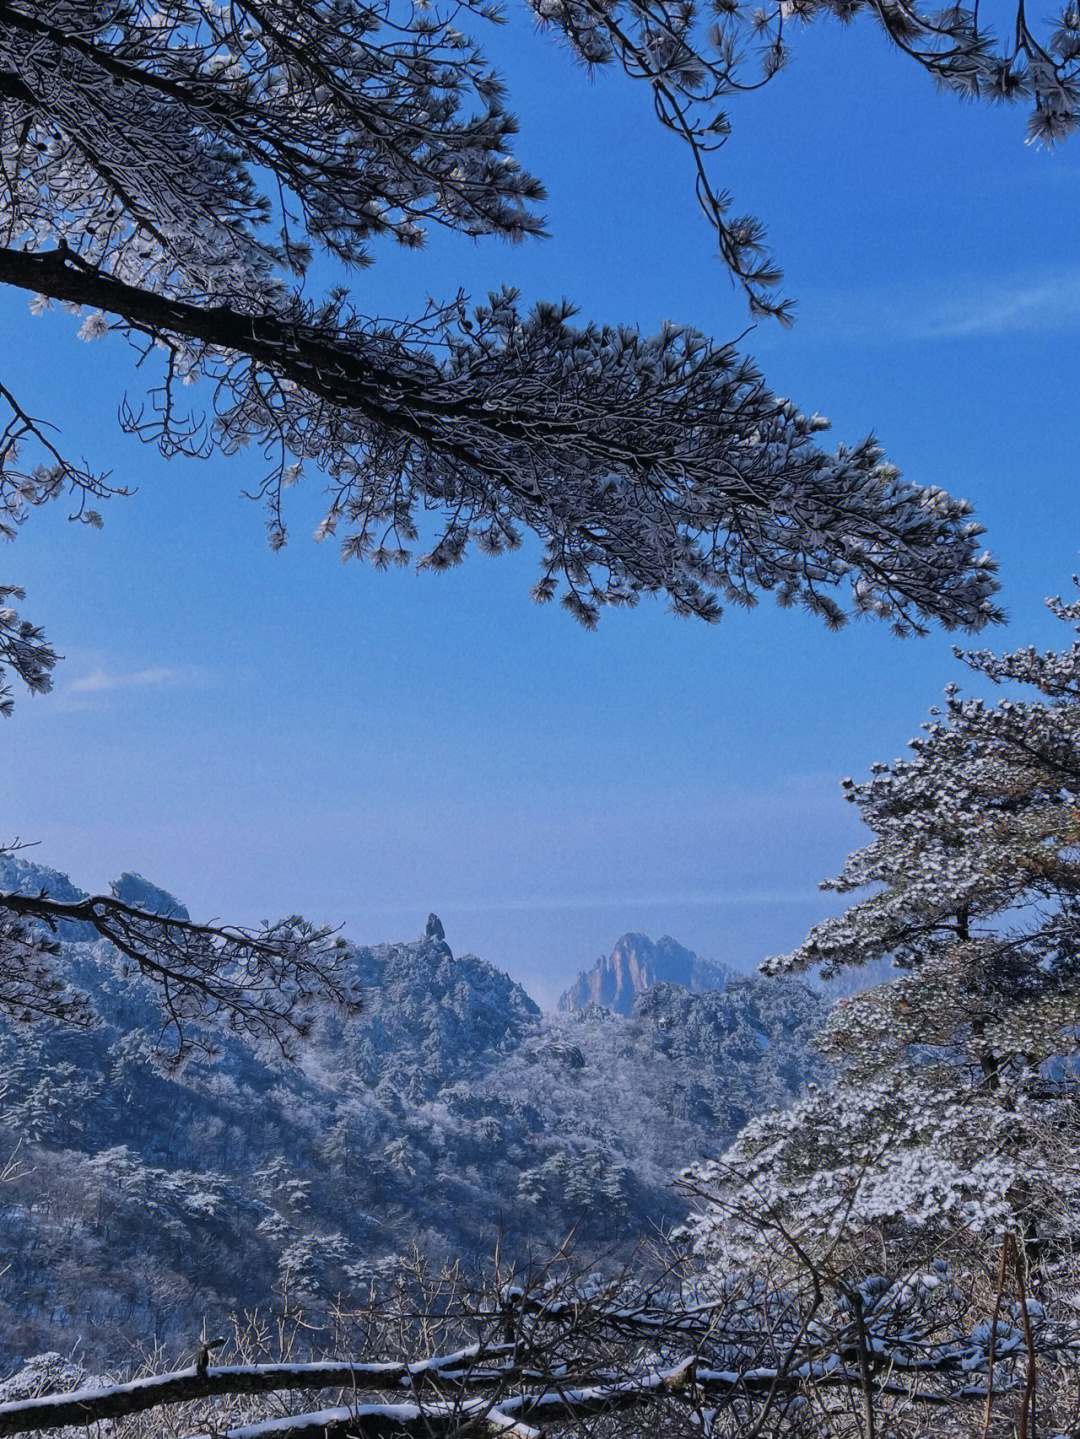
(132, 141)
(148, 123)
(265, 984)
(132, 132)
(952, 1125)
(659, 465)
(24, 650)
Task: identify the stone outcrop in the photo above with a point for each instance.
(633, 966)
(132, 889)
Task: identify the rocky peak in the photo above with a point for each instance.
(633, 966)
(24, 876)
(132, 889)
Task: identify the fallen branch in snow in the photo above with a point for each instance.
(503, 1414)
(384, 1421)
(372, 1421)
(89, 1406)
(549, 1355)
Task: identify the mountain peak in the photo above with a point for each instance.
(25, 876)
(132, 889)
(634, 965)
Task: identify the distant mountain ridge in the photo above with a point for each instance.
(24, 876)
(19, 875)
(451, 1114)
(635, 965)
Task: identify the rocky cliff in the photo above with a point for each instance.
(635, 965)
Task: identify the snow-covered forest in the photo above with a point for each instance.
(450, 1114)
(266, 1180)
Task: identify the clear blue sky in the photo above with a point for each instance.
(267, 733)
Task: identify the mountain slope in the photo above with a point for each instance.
(450, 1114)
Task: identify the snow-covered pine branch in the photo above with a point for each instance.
(136, 141)
(264, 984)
(953, 1123)
(657, 465)
(24, 650)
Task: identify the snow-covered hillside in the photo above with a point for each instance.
(450, 1114)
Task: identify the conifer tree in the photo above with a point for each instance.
(170, 169)
(956, 1107)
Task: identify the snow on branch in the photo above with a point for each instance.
(381, 1421)
(91, 1406)
(654, 464)
(764, 1351)
(263, 984)
(646, 465)
(514, 1413)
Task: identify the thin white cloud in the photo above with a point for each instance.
(98, 681)
(1042, 305)
(102, 683)
(1047, 303)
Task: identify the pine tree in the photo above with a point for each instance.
(956, 1110)
(172, 169)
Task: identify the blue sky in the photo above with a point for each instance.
(268, 733)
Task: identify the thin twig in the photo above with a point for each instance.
(993, 1335)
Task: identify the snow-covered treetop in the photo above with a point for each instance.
(956, 1106)
(974, 836)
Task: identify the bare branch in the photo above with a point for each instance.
(263, 984)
